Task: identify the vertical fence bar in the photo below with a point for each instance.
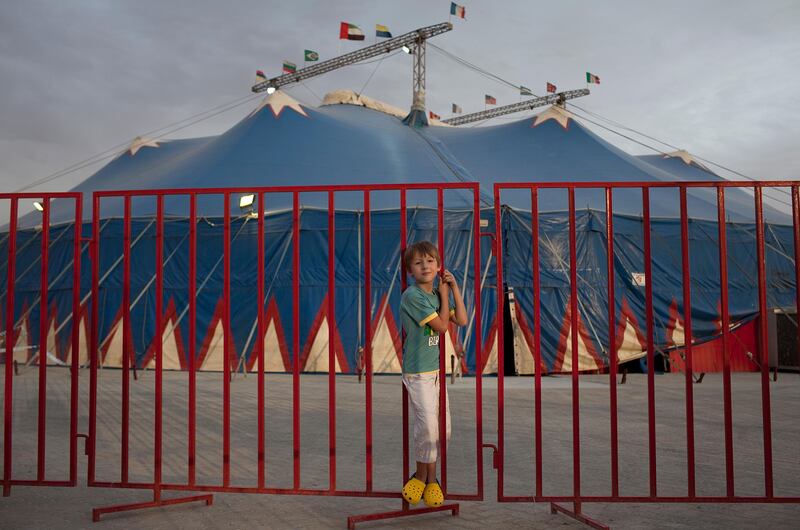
(296, 338)
(651, 369)
(226, 383)
(159, 338)
(8, 393)
(368, 332)
(43, 328)
(537, 339)
(126, 334)
(192, 446)
(93, 325)
(796, 233)
(612, 343)
(499, 319)
(76, 337)
(442, 352)
(331, 342)
(476, 244)
(766, 420)
(687, 334)
(574, 330)
(403, 286)
(726, 353)
(260, 344)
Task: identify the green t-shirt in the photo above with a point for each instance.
(421, 348)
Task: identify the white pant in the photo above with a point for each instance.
(423, 393)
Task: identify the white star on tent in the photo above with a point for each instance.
(277, 101)
(140, 142)
(687, 158)
(555, 112)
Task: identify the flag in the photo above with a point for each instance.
(489, 100)
(591, 78)
(433, 115)
(311, 55)
(457, 10)
(289, 68)
(551, 88)
(457, 109)
(525, 91)
(350, 32)
(260, 77)
(382, 31)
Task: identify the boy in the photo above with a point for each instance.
(425, 313)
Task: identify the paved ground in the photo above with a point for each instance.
(30, 507)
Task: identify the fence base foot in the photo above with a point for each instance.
(405, 512)
(576, 514)
(97, 512)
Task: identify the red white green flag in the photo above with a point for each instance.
(289, 68)
(350, 32)
(591, 78)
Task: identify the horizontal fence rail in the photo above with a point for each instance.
(652, 494)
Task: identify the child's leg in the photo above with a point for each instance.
(431, 472)
(422, 471)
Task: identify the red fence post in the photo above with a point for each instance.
(192, 445)
(766, 418)
(74, 365)
(574, 330)
(296, 336)
(476, 228)
(651, 369)
(612, 343)
(159, 337)
(95, 323)
(442, 354)
(403, 286)
(499, 319)
(11, 273)
(368, 332)
(126, 334)
(226, 383)
(726, 354)
(537, 339)
(43, 328)
(260, 345)
(331, 317)
(687, 340)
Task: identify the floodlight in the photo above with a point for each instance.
(406, 49)
(246, 201)
(270, 90)
(39, 206)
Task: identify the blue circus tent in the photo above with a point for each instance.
(351, 139)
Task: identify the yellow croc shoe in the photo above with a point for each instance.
(433, 495)
(413, 490)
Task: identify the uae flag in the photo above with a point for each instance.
(433, 115)
(489, 100)
(456, 109)
(350, 32)
(457, 10)
(260, 77)
(551, 88)
(289, 68)
(591, 78)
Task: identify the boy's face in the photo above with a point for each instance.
(424, 268)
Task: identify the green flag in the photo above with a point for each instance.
(311, 55)
(525, 91)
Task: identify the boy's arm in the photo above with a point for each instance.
(439, 323)
(460, 315)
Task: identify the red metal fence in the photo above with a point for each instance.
(652, 495)
(225, 483)
(44, 201)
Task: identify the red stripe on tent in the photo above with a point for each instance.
(322, 313)
(273, 316)
(587, 340)
(526, 332)
(170, 315)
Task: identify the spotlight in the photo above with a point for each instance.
(270, 90)
(39, 206)
(406, 49)
(246, 201)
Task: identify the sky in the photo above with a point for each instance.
(83, 78)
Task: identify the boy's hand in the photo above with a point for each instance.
(448, 278)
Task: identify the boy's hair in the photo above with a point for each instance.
(420, 248)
